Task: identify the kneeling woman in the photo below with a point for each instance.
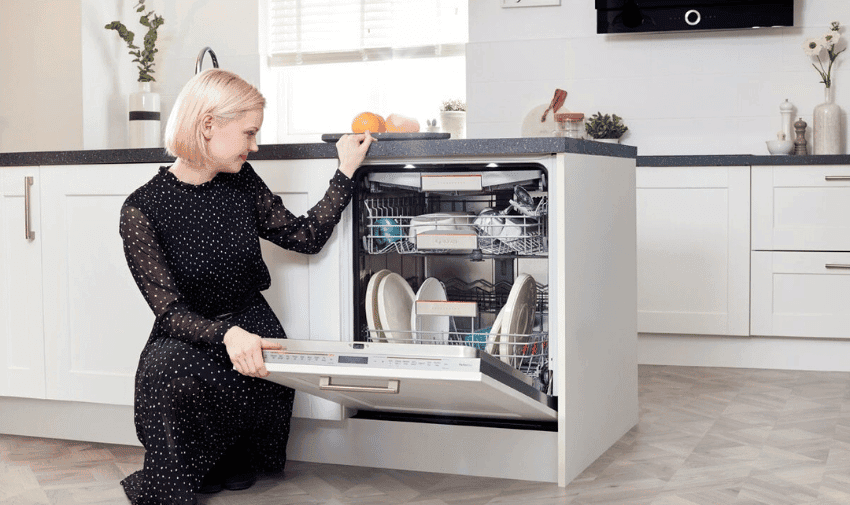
(191, 237)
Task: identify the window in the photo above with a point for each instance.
(329, 60)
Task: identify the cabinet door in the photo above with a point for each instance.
(96, 321)
(309, 293)
(801, 294)
(21, 314)
(693, 250)
(801, 208)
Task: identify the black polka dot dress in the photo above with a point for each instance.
(194, 251)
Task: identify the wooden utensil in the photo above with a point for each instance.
(557, 102)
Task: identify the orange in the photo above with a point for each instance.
(368, 121)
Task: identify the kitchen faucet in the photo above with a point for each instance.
(201, 58)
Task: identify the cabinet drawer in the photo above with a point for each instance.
(801, 208)
(800, 294)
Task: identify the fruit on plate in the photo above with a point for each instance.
(368, 121)
(402, 124)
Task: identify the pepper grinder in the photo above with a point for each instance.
(800, 141)
(786, 109)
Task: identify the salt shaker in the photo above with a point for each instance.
(786, 109)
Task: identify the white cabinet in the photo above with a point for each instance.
(801, 294)
(801, 251)
(96, 321)
(21, 314)
(306, 291)
(693, 246)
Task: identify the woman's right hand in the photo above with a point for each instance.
(245, 350)
(351, 149)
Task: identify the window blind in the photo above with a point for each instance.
(335, 31)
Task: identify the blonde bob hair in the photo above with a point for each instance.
(214, 92)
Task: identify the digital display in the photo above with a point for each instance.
(354, 360)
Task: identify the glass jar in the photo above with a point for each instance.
(570, 124)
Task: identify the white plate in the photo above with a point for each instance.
(518, 319)
(371, 301)
(430, 328)
(395, 303)
(492, 347)
(440, 221)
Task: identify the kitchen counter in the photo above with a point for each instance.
(382, 149)
(727, 160)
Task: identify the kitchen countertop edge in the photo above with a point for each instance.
(728, 160)
(381, 150)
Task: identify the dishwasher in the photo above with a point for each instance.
(451, 300)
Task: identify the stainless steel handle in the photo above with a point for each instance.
(838, 265)
(30, 235)
(837, 177)
(325, 384)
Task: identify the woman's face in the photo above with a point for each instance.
(231, 141)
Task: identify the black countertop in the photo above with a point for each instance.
(385, 149)
(429, 149)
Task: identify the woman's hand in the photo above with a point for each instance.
(351, 150)
(246, 351)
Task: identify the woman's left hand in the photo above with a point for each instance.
(351, 149)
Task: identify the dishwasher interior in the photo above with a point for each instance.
(456, 255)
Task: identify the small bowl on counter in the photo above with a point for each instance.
(780, 146)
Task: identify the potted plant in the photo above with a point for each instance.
(605, 127)
(453, 118)
(144, 104)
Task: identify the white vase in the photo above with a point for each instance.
(826, 125)
(608, 141)
(145, 118)
(454, 123)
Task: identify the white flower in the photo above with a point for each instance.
(813, 47)
(830, 38)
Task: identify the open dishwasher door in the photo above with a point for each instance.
(444, 380)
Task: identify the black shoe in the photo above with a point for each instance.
(211, 484)
(240, 481)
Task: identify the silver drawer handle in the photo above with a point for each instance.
(837, 177)
(838, 265)
(30, 235)
(325, 384)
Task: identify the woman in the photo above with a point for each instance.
(191, 235)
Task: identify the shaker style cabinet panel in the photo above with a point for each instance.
(801, 294)
(306, 289)
(96, 321)
(693, 250)
(801, 251)
(802, 208)
(21, 313)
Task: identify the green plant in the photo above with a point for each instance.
(453, 105)
(605, 126)
(144, 56)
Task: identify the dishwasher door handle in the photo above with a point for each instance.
(325, 385)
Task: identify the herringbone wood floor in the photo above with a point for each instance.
(707, 436)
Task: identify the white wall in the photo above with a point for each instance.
(40, 75)
(65, 80)
(229, 27)
(679, 93)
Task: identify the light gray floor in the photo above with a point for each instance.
(707, 436)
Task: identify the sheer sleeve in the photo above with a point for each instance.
(153, 277)
(308, 233)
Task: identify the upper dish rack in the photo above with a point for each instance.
(404, 225)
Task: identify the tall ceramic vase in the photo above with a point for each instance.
(454, 123)
(145, 118)
(826, 125)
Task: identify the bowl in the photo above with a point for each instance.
(780, 146)
(387, 231)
